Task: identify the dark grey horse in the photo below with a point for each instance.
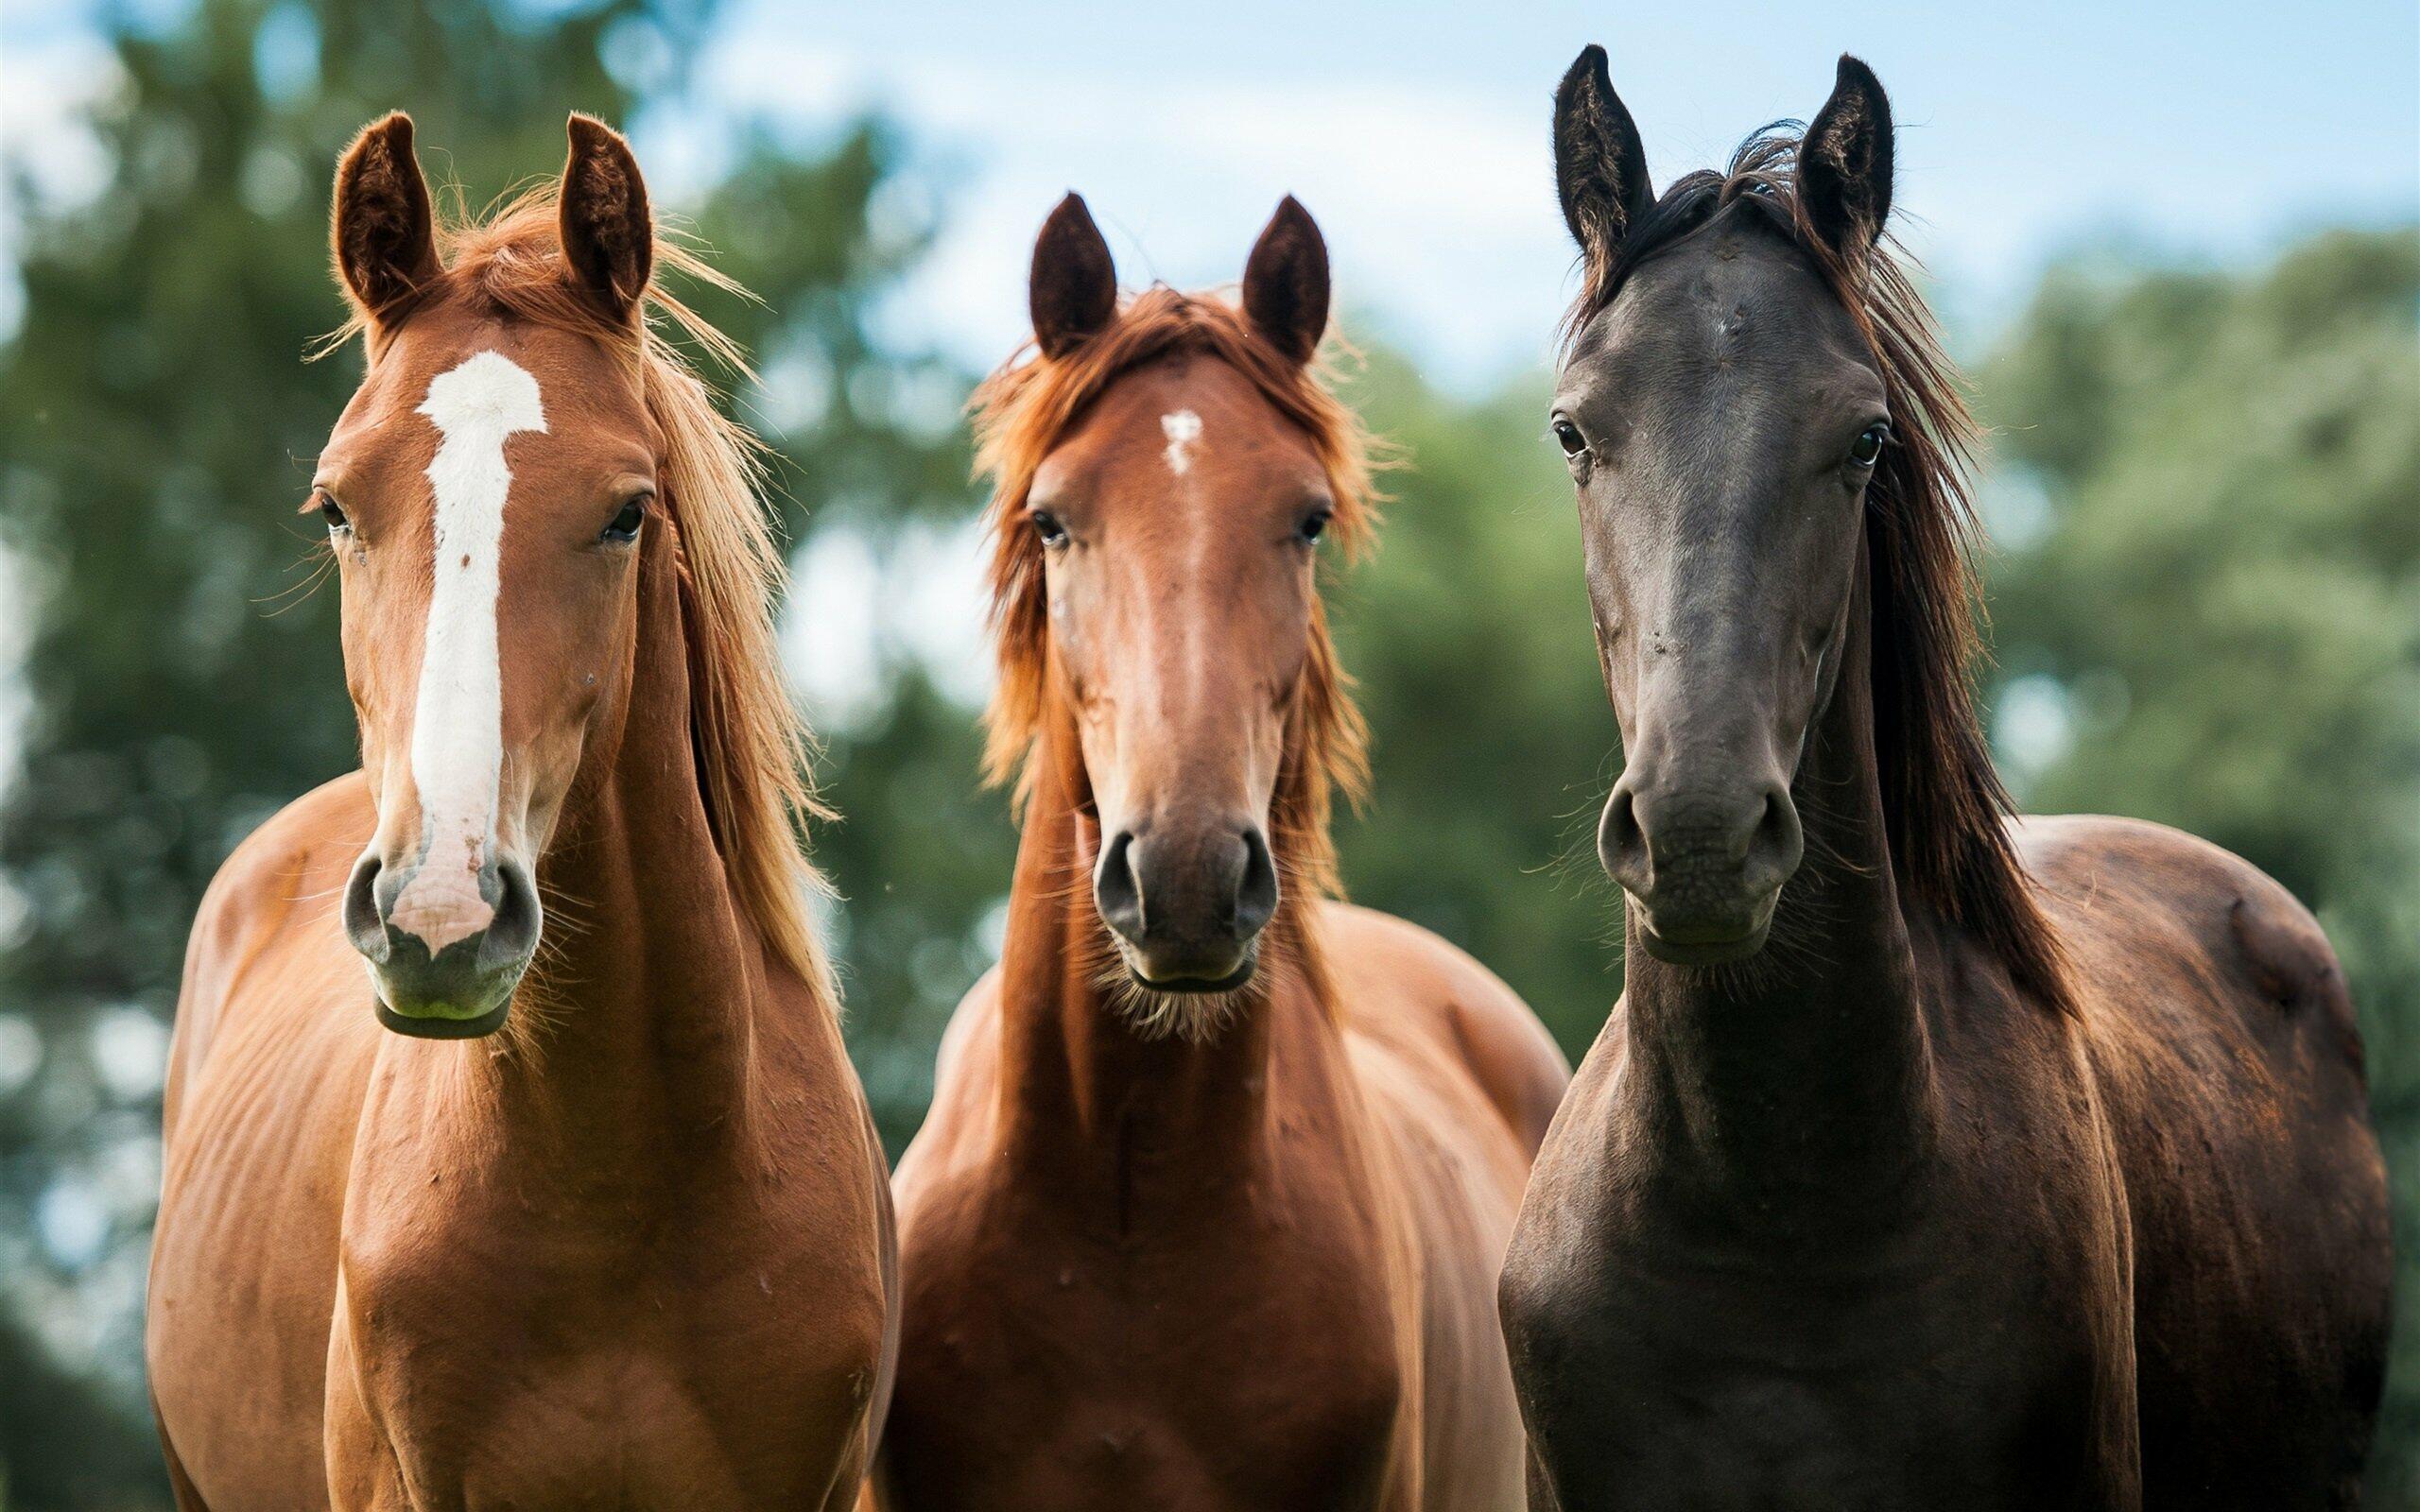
(1932, 1159)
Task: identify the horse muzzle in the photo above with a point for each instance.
(1187, 908)
(444, 962)
(1705, 870)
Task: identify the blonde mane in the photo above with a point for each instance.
(751, 746)
(1021, 412)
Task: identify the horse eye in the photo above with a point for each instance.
(1314, 526)
(333, 512)
(1869, 445)
(624, 527)
(1568, 436)
(1046, 525)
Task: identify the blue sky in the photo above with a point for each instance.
(1417, 132)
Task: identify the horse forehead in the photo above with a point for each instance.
(576, 384)
(1731, 291)
(1191, 415)
(1718, 333)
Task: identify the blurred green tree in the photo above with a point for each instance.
(871, 457)
(1491, 740)
(2209, 612)
(157, 421)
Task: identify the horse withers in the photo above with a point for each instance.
(1933, 1158)
(1208, 1211)
(513, 1157)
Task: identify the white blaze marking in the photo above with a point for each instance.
(457, 724)
(1183, 428)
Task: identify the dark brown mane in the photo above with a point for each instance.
(1944, 801)
(1020, 413)
(751, 746)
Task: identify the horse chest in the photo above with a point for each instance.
(559, 1363)
(1206, 1371)
(1915, 1372)
(1283, 1443)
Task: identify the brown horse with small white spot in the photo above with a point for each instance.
(573, 1200)
(1208, 1211)
(1934, 1158)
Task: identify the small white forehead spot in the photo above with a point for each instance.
(1183, 428)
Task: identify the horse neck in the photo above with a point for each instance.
(642, 1007)
(1082, 1093)
(1802, 1078)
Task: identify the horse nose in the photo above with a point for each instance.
(1115, 891)
(444, 967)
(1189, 907)
(1622, 845)
(1705, 863)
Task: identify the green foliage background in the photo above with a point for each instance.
(2206, 493)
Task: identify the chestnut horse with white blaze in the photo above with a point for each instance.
(1208, 1211)
(573, 1200)
(1934, 1158)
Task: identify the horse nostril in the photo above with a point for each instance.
(1256, 893)
(363, 924)
(512, 933)
(1775, 847)
(1115, 892)
(1621, 844)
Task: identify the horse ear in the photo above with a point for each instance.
(1286, 282)
(1844, 163)
(1600, 163)
(382, 230)
(608, 232)
(1073, 291)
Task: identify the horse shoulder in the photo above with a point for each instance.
(295, 864)
(1456, 1065)
(955, 1135)
(265, 1079)
(1394, 973)
(964, 1037)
